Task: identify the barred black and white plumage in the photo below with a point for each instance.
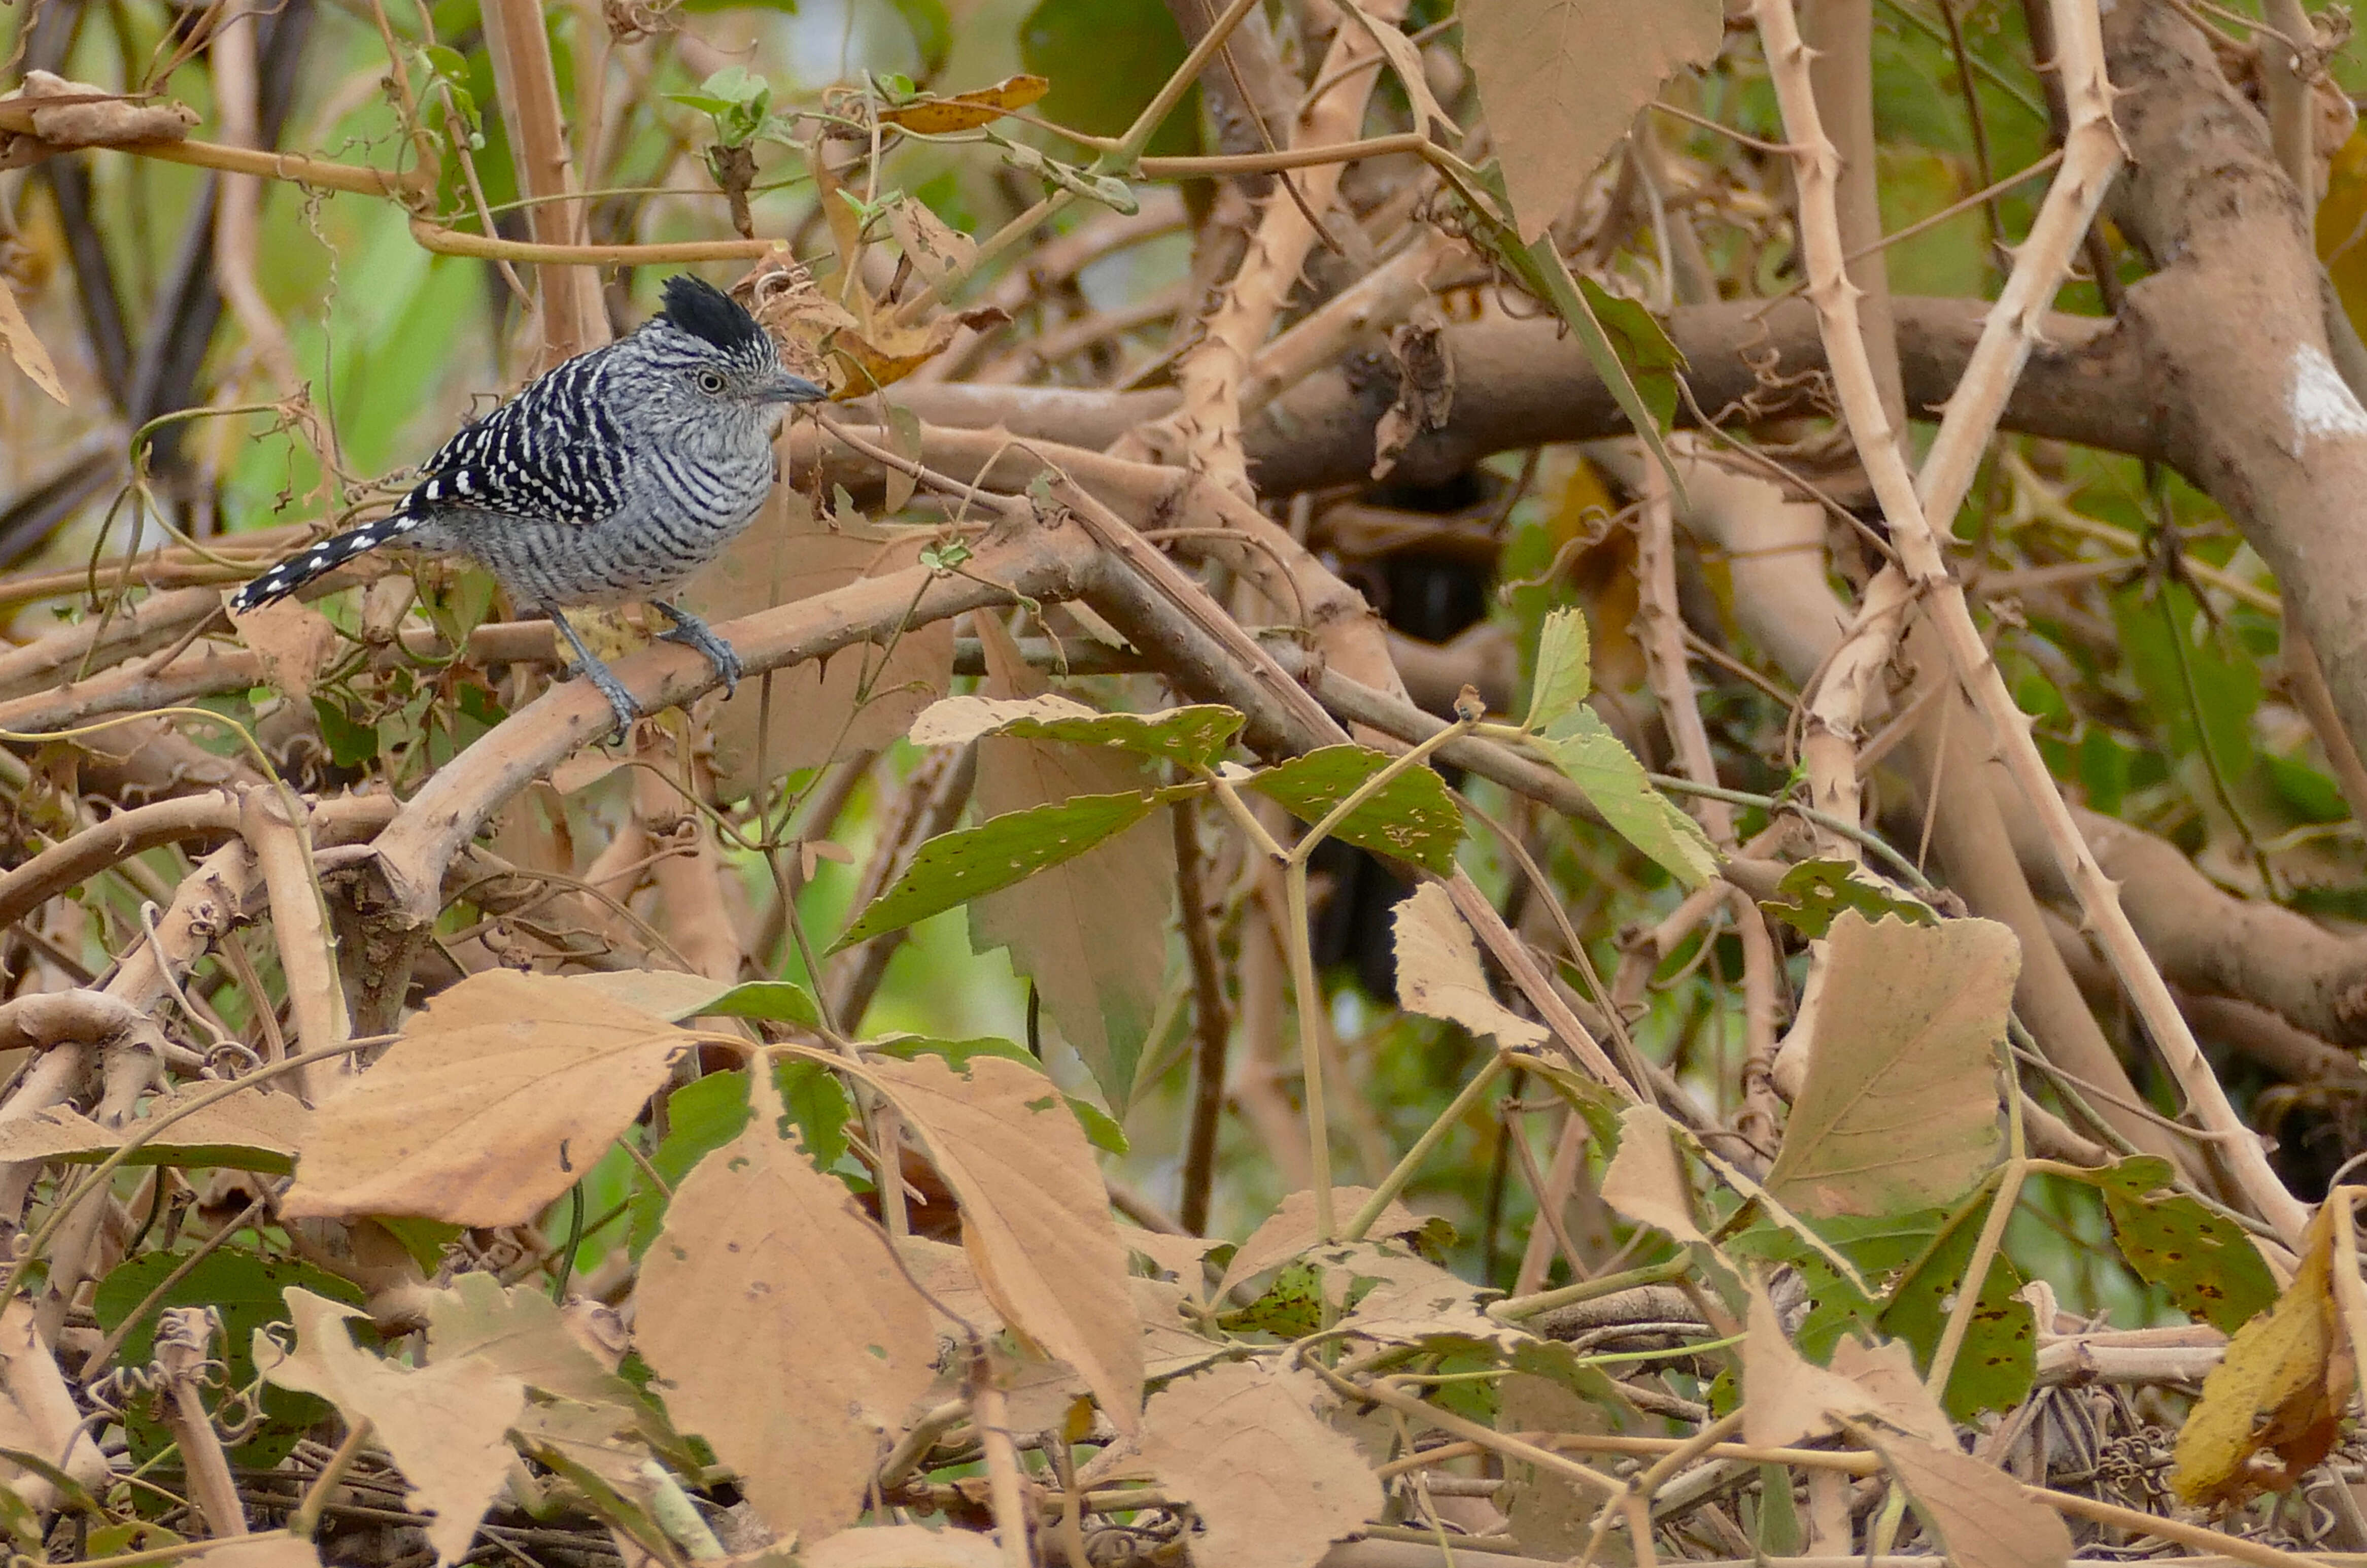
(614, 477)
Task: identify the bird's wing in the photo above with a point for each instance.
(551, 452)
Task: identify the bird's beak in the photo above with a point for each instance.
(786, 388)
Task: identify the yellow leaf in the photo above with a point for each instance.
(967, 111)
(2281, 1390)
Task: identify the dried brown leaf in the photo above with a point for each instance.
(495, 1100)
(278, 1551)
(1035, 1219)
(81, 115)
(2281, 1390)
(860, 699)
(293, 640)
(935, 249)
(1439, 974)
(1290, 1229)
(1273, 1484)
(780, 1327)
(967, 111)
(903, 1546)
(26, 350)
(446, 1423)
(1405, 59)
(1899, 1109)
(1645, 1181)
(1560, 92)
(1092, 931)
(1977, 1515)
(1786, 1397)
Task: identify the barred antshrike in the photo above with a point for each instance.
(612, 478)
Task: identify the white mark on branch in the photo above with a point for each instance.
(2320, 403)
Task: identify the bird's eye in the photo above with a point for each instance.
(710, 382)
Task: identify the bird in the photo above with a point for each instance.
(611, 477)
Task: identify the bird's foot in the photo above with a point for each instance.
(693, 632)
(591, 667)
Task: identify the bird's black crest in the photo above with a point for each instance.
(697, 307)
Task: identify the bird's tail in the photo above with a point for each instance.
(326, 556)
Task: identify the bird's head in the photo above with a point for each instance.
(713, 354)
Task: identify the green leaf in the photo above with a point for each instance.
(1591, 756)
(1101, 1130)
(1412, 817)
(1998, 1361)
(1564, 673)
(350, 745)
(1642, 347)
(1107, 60)
(1193, 737)
(1815, 892)
(705, 1114)
(674, 995)
(2206, 1263)
(1542, 271)
(245, 1289)
(955, 868)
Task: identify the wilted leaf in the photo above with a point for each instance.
(2206, 1263)
(1412, 817)
(937, 251)
(1787, 1398)
(1814, 892)
(780, 1328)
(1607, 773)
(2283, 1389)
(1394, 1298)
(1405, 59)
(1646, 1181)
(521, 1332)
(293, 640)
(901, 1546)
(1439, 974)
(1290, 1229)
(1558, 93)
(967, 111)
(446, 1423)
(956, 867)
(1273, 1484)
(1195, 736)
(1976, 1514)
(1034, 1221)
(257, 1132)
(1565, 670)
(495, 1100)
(282, 1551)
(1900, 1109)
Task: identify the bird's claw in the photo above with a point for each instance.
(692, 632)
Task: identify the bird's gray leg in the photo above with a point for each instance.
(693, 632)
(589, 665)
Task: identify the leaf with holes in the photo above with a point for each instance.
(1194, 736)
(1607, 773)
(2206, 1263)
(1411, 817)
(954, 867)
(1999, 1358)
(1813, 894)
